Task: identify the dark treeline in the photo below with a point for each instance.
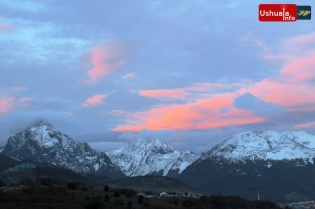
(50, 193)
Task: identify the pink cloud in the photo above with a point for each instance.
(85, 105)
(282, 92)
(95, 100)
(6, 27)
(106, 59)
(165, 93)
(205, 87)
(129, 75)
(200, 115)
(6, 105)
(305, 125)
(293, 87)
(301, 39)
(182, 93)
(300, 69)
(68, 113)
(10, 104)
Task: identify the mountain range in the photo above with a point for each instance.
(279, 165)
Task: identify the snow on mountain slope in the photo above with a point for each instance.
(42, 142)
(264, 145)
(151, 156)
(276, 163)
(301, 137)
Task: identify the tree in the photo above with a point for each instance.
(116, 194)
(106, 188)
(187, 203)
(96, 204)
(129, 204)
(203, 198)
(140, 199)
(106, 198)
(173, 202)
(72, 185)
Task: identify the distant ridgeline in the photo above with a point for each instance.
(22, 167)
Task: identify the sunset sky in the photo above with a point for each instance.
(190, 73)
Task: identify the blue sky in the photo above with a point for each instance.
(190, 73)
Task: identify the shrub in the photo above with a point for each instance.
(148, 193)
(173, 202)
(116, 194)
(127, 192)
(46, 182)
(129, 204)
(94, 205)
(106, 188)
(187, 203)
(140, 199)
(72, 185)
(203, 198)
(119, 202)
(61, 190)
(84, 189)
(106, 198)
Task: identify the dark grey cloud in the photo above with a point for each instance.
(257, 106)
(18, 121)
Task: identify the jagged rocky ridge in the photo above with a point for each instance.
(42, 142)
(151, 157)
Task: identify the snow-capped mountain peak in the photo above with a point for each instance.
(43, 143)
(152, 145)
(276, 163)
(264, 145)
(151, 157)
